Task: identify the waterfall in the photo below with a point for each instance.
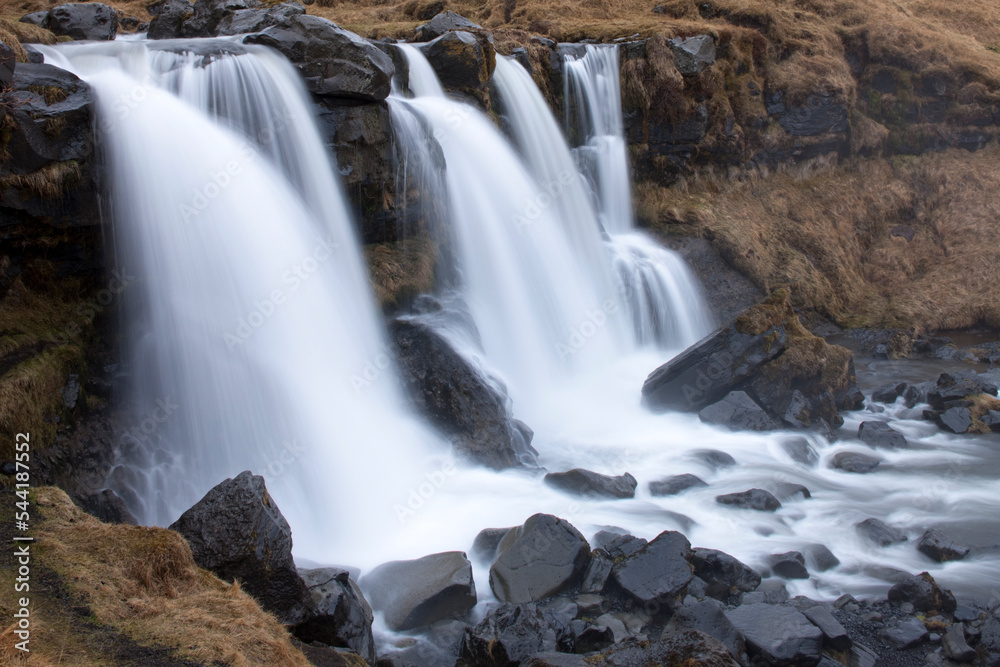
(251, 324)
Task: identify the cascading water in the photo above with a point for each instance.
(251, 317)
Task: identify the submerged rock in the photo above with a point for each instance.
(586, 483)
(540, 558)
(84, 21)
(938, 546)
(237, 532)
(337, 613)
(880, 533)
(417, 593)
(790, 565)
(879, 434)
(671, 486)
(754, 499)
(855, 462)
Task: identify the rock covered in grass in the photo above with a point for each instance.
(587, 483)
(417, 593)
(540, 558)
(337, 613)
(238, 532)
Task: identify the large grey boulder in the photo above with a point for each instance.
(417, 593)
(84, 21)
(879, 434)
(540, 558)
(723, 573)
(443, 23)
(337, 613)
(778, 634)
(244, 21)
(462, 61)
(658, 573)
(208, 14)
(936, 545)
(238, 532)
(168, 18)
(923, 593)
(333, 62)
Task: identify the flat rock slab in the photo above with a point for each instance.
(588, 483)
(906, 632)
(658, 572)
(754, 499)
(879, 434)
(671, 486)
(834, 634)
(540, 558)
(708, 617)
(416, 593)
(778, 634)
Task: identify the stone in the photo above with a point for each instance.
(512, 633)
(707, 617)
(862, 656)
(237, 532)
(542, 557)
(855, 462)
(936, 545)
(484, 547)
(801, 451)
(923, 593)
(7, 62)
(723, 573)
(714, 459)
(84, 21)
(737, 412)
(693, 54)
(245, 21)
(904, 633)
(778, 635)
(462, 61)
(595, 577)
(890, 392)
(957, 387)
(878, 434)
(880, 533)
(590, 605)
(754, 499)
(658, 573)
(208, 14)
(770, 591)
(671, 486)
(624, 545)
(954, 645)
(333, 62)
(790, 565)
(587, 483)
(588, 637)
(834, 635)
(417, 593)
(337, 613)
(789, 490)
(555, 659)
(108, 507)
(956, 420)
(168, 19)
(820, 114)
(965, 614)
(442, 23)
(456, 397)
(688, 647)
(41, 19)
(819, 557)
(992, 420)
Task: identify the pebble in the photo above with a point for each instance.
(906, 608)
(872, 616)
(934, 638)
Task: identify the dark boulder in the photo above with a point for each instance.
(657, 574)
(442, 23)
(237, 532)
(879, 434)
(714, 459)
(957, 419)
(7, 62)
(770, 591)
(904, 633)
(588, 637)
(707, 617)
(855, 462)
(671, 486)
(540, 558)
(168, 19)
(40, 18)
(835, 637)
(245, 21)
(936, 545)
(958, 387)
(417, 593)
(512, 633)
(108, 507)
(777, 634)
(337, 614)
(693, 54)
(687, 647)
(819, 557)
(84, 21)
(457, 398)
(723, 574)
(332, 61)
(208, 14)
(889, 393)
(598, 571)
(790, 565)
(624, 545)
(923, 593)
(587, 483)
(462, 61)
(484, 547)
(738, 412)
(880, 533)
(754, 499)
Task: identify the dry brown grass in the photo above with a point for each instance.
(402, 270)
(144, 583)
(829, 234)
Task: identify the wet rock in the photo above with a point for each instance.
(879, 434)
(588, 637)
(337, 613)
(671, 486)
(244, 21)
(595, 577)
(727, 291)
(484, 547)
(456, 398)
(6, 70)
(590, 605)
(417, 593)
(84, 21)
(820, 558)
(624, 545)
(801, 451)
(722, 573)
(790, 565)
(658, 572)
(587, 483)
(855, 462)
(706, 617)
(938, 546)
(954, 645)
(693, 54)
(770, 591)
(540, 558)
(555, 659)
(754, 499)
(237, 532)
(108, 507)
(904, 633)
(462, 61)
(889, 393)
(168, 19)
(880, 533)
(834, 634)
(513, 633)
(789, 490)
(443, 23)
(923, 593)
(714, 459)
(686, 647)
(738, 412)
(956, 420)
(332, 61)
(778, 635)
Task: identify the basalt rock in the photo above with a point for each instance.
(333, 62)
(540, 558)
(738, 412)
(790, 565)
(237, 532)
(443, 23)
(337, 613)
(923, 593)
(244, 21)
(879, 434)
(457, 398)
(723, 573)
(464, 63)
(658, 573)
(417, 593)
(512, 633)
(587, 483)
(688, 647)
(168, 18)
(777, 634)
(936, 545)
(671, 486)
(84, 21)
(880, 533)
(693, 54)
(754, 499)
